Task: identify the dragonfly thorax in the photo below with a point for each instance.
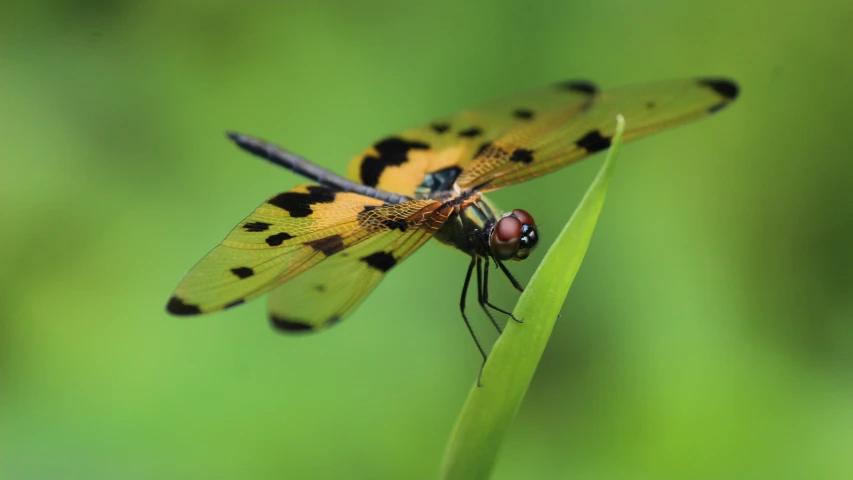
(437, 183)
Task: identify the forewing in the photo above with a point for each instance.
(399, 163)
(285, 237)
(556, 137)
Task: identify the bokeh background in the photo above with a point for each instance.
(708, 335)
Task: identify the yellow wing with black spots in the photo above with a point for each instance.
(508, 141)
(399, 163)
(329, 291)
(293, 234)
(560, 137)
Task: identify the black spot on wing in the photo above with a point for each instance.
(593, 142)
(523, 114)
(373, 220)
(400, 225)
(322, 193)
(256, 226)
(320, 288)
(298, 204)
(471, 132)
(176, 306)
(277, 239)
(716, 108)
(381, 261)
(239, 301)
(482, 149)
(726, 88)
(328, 245)
(522, 155)
(369, 208)
(392, 151)
(439, 127)
(650, 105)
(581, 86)
(243, 272)
(289, 325)
(333, 320)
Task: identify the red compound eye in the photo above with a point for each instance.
(524, 217)
(506, 238)
(508, 228)
(513, 236)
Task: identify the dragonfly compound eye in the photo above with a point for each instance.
(506, 238)
(529, 236)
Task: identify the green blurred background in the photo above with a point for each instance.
(709, 334)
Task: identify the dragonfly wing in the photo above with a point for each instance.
(556, 137)
(399, 163)
(292, 234)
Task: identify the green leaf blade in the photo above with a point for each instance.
(489, 410)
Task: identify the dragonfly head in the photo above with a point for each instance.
(513, 236)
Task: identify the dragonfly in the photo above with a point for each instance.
(321, 248)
